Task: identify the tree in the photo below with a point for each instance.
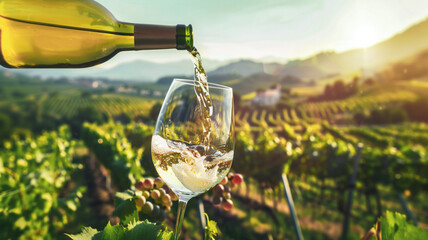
(123, 118)
(360, 118)
(84, 114)
(285, 91)
(53, 94)
(369, 82)
(85, 94)
(111, 89)
(18, 94)
(274, 86)
(387, 115)
(33, 114)
(260, 90)
(354, 86)
(339, 89)
(418, 111)
(328, 92)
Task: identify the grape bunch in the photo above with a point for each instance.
(155, 199)
(221, 191)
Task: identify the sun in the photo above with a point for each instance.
(364, 35)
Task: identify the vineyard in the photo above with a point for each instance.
(310, 162)
(317, 157)
(331, 111)
(34, 173)
(109, 104)
(308, 120)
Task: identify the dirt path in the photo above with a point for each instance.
(99, 196)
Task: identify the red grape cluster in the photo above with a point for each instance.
(155, 199)
(222, 190)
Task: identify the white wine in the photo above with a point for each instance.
(203, 96)
(187, 168)
(75, 34)
(183, 155)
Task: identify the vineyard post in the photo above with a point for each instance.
(406, 208)
(290, 202)
(352, 186)
(201, 212)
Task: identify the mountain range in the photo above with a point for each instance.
(138, 70)
(401, 46)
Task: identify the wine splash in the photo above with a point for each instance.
(203, 96)
(187, 168)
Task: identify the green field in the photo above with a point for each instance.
(313, 141)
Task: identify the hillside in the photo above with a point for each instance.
(402, 45)
(243, 67)
(138, 70)
(262, 81)
(408, 43)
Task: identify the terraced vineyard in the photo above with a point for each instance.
(110, 104)
(330, 111)
(317, 144)
(309, 142)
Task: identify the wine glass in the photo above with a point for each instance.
(179, 152)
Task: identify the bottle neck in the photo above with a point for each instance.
(148, 36)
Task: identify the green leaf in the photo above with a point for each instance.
(71, 205)
(113, 232)
(395, 226)
(165, 235)
(123, 196)
(124, 205)
(130, 218)
(211, 230)
(134, 231)
(137, 230)
(20, 223)
(87, 233)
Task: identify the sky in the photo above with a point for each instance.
(270, 29)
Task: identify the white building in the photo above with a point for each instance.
(268, 97)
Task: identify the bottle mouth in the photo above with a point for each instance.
(184, 37)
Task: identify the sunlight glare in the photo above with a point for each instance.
(364, 36)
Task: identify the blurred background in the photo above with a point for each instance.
(317, 86)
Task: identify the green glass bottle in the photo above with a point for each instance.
(75, 34)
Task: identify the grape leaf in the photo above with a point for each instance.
(87, 233)
(123, 196)
(124, 205)
(395, 226)
(113, 232)
(165, 235)
(134, 231)
(211, 230)
(130, 218)
(146, 229)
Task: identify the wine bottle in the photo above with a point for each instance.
(75, 34)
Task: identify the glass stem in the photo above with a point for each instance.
(180, 216)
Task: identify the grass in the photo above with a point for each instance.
(308, 91)
(248, 96)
